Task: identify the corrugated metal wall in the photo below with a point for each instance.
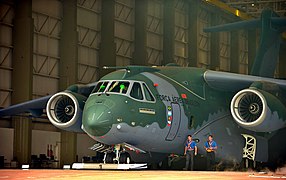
(6, 49)
(88, 27)
(203, 38)
(155, 32)
(181, 33)
(47, 27)
(124, 31)
(243, 52)
(224, 48)
(47, 17)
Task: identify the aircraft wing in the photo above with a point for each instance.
(225, 81)
(35, 107)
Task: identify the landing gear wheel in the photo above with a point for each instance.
(109, 157)
(124, 158)
(164, 164)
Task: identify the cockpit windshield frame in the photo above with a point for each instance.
(125, 88)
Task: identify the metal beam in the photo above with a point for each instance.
(68, 45)
(234, 52)
(229, 9)
(252, 39)
(168, 32)
(107, 49)
(194, 6)
(68, 72)
(282, 61)
(140, 50)
(214, 55)
(22, 76)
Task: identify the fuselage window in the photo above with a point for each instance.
(136, 91)
(100, 87)
(119, 87)
(147, 93)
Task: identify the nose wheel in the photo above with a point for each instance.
(124, 158)
(120, 156)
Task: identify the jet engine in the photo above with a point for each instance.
(64, 110)
(258, 110)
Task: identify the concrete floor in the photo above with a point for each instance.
(114, 175)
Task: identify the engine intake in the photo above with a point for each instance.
(257, 110)
(64, 110)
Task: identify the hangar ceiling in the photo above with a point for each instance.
(255, 7)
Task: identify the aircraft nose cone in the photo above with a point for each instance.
(97, 120)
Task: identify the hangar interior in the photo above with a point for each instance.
(47, 45)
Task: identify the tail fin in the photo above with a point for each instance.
(267, 55)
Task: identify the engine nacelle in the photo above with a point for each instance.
(64, 110)
(257, 110)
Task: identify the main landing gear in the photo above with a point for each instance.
(249, 151)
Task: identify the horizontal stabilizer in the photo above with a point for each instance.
(278, 22)
(250, 24)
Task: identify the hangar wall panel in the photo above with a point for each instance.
(124, 31)
(243, 52)
(84, 142)
(88, 27)
(47, 17)
(6, 49)
(224, 48)
(203, 38)
(6, 143)
(181, 33)
(154, 32)
(41, 139)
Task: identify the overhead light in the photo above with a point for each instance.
(252, 4)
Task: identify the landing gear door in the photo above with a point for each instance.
(174, 120)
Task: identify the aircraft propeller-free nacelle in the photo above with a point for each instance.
(258, 110)
(64, 109)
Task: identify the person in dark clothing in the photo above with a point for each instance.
(210, 147)
(190, 150)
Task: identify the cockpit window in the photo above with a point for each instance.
(147, 93)
(100, 87)
(119, 87)
(136, 91)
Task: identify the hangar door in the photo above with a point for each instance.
(175, 121)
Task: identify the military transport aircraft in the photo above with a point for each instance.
(149, 111)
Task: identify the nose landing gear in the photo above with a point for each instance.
(120, 156)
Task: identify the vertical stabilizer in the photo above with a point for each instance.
(267, 54)
(268, 50)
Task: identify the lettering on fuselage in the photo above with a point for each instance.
(176, 99)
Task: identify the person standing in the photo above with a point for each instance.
(190, 150)
(211, 147)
